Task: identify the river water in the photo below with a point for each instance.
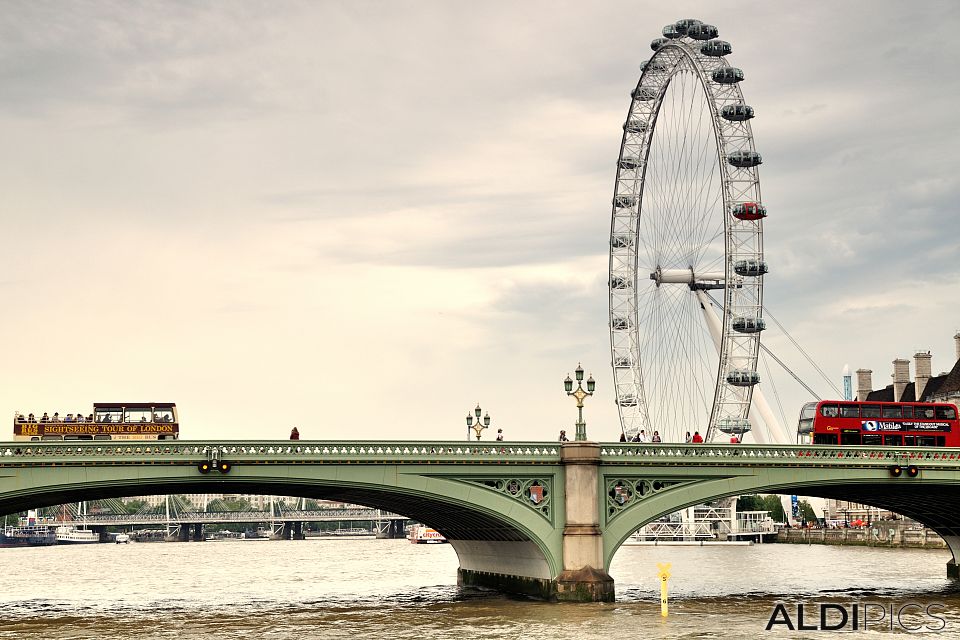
(366, 588)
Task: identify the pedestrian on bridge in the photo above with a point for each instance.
(563, 436)
(294, 434)
(499, 435)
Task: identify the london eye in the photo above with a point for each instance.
(686, 245)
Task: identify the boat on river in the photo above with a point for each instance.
(27, 536)
(66, 534)
(422, 534)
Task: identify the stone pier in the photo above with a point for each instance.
(584, 577)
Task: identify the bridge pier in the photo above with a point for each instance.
(953, 569)
(197, 532)
(520, 567)
(298, 531)
(584, 577)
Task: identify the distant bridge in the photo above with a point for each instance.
(533, 517)
(226, 517)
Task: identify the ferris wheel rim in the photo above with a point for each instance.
(633, 403)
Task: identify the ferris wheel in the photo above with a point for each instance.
(686, 245)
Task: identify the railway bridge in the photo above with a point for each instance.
(540, 518)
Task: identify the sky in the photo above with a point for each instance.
(365, 218)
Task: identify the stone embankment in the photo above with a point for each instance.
(879, 534)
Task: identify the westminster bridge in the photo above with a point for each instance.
(530, 517)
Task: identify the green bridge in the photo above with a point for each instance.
(541, 518)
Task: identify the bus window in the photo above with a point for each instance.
(870, 411)
(108, 415)
(872, 439)
(102, 436)
(892, 411)
(850, 437)
(52, 437)
(824, 438)
(163, 415)
(829, 411)
(907, 411)
(80, 437)
(946, 413)
(137, 415)
(849, 411)
(894, 441)
(941, 441)
(909, 441)
(923, 413)
(926, 441)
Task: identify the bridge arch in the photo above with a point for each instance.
(493, 531)
(932, 499)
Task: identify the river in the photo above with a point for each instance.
(366, 588)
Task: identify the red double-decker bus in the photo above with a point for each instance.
(898, 424)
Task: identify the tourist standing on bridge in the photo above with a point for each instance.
(689, 438)
(656, 437)
(697, 438)
(294, 434)
(499, 435)
(563, 436)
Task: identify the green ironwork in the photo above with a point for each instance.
(534, 493)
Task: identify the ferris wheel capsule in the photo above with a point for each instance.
(656, 43)
(742, 324)
(716, 48)
(749, 211)
(751, 267)
(736, 112)
(702, 31)
(635, 126)
(670, 32)
(743, 377)
(744, 159)
(727, 75)
(630, 162)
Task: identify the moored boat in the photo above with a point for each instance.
(29, 536)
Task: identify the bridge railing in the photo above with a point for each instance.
(754, 455)
(189, 451)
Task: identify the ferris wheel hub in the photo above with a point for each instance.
(688, 276)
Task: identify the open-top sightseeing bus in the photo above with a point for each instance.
(108, 421)
(908, 424)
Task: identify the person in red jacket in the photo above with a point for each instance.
(294, 434)
(697, 438)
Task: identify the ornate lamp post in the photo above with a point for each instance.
(479, 427)
(580, 395)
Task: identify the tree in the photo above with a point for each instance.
(807, 513)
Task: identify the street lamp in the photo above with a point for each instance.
(580, 395)
(480, 426)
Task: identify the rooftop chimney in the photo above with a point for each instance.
(864, 383)
(901, 378)
(956, 343)
(921, 364)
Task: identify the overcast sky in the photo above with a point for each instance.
(362, 218)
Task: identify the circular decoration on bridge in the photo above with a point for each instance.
(203, 467)
(224, 467)
(686, 244)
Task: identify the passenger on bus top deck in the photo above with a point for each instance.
(90, 418)
(45, 417)
(69, 418)
(31, 418)
(56, 417)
